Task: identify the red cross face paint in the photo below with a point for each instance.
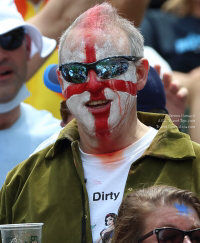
(100, 105)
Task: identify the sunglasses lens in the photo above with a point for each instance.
(74, 73)
(111, 67)
(12, 40)
(195, 237)
(170, 236)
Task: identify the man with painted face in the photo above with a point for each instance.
(110, 149)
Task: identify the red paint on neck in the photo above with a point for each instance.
(111, 157)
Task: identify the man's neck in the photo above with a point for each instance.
(9, 118)
(110, 144)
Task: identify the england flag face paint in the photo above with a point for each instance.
(100, 105)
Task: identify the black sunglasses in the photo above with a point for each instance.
(106, 68)
(13, 39)
(172, 235)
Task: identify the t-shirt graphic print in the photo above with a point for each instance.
(105, 176)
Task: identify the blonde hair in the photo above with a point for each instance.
(180, 8)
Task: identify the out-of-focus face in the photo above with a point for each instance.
(100, 105)
(13, 70)
(177, 216)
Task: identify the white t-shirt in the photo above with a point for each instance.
(105, 177)
(22, 138)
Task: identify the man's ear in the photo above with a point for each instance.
(142, 73)
(28, 46)
(60, 81)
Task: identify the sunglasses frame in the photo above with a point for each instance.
(92, 65)
(157, 230)
(16, 33)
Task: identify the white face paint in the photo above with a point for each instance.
(76, 105)
(121, 107)
(117, 98)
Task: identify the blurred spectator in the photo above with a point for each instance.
(175, 35)
(39, 93)
(22, 127)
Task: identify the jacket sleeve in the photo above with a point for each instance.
(6, 204)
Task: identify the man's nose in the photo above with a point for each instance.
(3, 54)
(93, 84)
(186, 239)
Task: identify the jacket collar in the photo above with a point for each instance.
(169, 143)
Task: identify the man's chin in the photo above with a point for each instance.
(6, 97)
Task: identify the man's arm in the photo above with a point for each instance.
(57, 15)
(133, 10)
(53, 19)
(6, 203)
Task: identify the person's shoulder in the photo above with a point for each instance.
(33, 112)
(40, 119)
(69, 132)
(46, 143)
(20, 173)
(39, 163)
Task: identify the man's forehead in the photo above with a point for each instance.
(105, 44)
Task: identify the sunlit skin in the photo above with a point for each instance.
(101, 127)
(133, 10)
(170, 216)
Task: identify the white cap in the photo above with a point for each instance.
(11, 19)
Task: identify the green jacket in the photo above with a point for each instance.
(49, 187)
